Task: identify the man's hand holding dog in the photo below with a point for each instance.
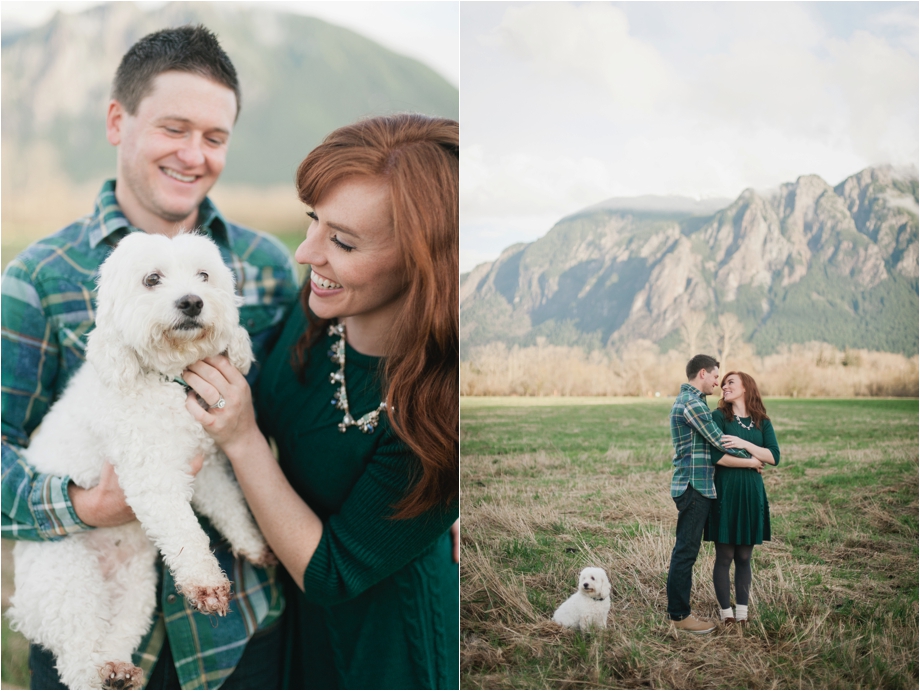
(104, 506)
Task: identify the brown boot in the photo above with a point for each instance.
(693, 625)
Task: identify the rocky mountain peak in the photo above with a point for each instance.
(805, 261)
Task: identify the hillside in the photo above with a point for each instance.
(804, 262)
(301, 78)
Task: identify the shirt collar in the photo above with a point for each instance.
(109, 221)
(689, 388)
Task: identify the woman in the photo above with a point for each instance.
(740, 516)
(360, 394)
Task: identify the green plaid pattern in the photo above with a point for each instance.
(694, 434)
(47, 309)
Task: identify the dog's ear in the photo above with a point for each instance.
(605, 586)
(239, 350)
(117, 365)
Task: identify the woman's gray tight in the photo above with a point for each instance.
(741, 555)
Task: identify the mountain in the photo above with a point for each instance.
(804, 262)
(300, 78)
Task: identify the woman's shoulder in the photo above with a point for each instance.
(766, 427)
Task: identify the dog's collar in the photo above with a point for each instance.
(181, 382)
(599, 599)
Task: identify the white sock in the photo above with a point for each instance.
(725, 614)
(741, 612)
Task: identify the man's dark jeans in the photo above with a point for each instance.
(692, 514)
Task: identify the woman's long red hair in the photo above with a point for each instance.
(752, 400)
(418, 157)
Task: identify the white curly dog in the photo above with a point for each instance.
(589, 605)
(88, 598)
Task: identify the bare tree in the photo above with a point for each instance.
(639, 362)
(692, 323)
(727, 336)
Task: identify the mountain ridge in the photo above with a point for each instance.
(301, 77)
(805, 261)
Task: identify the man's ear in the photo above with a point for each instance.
(114, 121)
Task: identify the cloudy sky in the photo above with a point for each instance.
(566, 104)
(426, 31)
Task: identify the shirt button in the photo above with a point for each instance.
(171, 599)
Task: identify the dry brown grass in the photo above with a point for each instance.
(834, 601)
(808, 371)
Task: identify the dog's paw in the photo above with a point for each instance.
(265, 558)
(121, 675)
(209, 599)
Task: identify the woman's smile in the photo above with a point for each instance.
(322, 286)
(731, 390)
(357, 273)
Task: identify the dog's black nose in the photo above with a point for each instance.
(190, 305)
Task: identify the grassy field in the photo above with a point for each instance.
(551, 488)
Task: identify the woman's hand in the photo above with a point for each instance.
(104, 506)
(732, 442)
(213, 379)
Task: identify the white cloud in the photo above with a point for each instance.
(567, 104)
(590, 42)
(765, 83)
(903, 22)
(874, 78)
(523, 183)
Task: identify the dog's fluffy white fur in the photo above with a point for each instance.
(89, 597)
(589, 605)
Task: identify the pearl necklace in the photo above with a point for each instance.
(366, 423)
(742, 425)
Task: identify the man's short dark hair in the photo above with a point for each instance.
(185, 49)
(698, 362)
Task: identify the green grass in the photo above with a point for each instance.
(550, 487)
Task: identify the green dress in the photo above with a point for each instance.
(381, 604)
(740, 515)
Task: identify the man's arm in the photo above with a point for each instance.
(699, 417)
(35, 506)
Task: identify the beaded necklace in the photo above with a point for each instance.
(366, 423)
(743, 426)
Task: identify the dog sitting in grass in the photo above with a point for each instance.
(588, 606)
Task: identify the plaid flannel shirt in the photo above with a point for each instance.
(694, 434)
(47, 310)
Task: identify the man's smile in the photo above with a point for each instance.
(176, 175)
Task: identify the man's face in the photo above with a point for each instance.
(709, 381)
(171, 152)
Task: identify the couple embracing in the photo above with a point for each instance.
(717, 488)
(359, 502)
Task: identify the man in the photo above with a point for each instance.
(692, 487)
(175, 100)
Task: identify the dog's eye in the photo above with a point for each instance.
(151, 280)
(204, 276)
(592, 578)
